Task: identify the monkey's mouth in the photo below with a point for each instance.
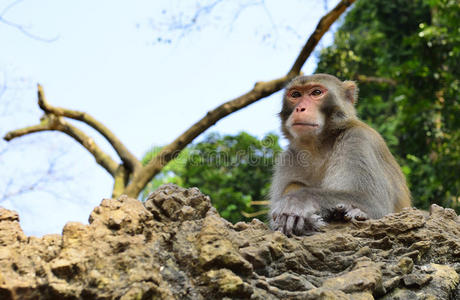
(305, 124)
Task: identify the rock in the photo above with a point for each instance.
(176, 246)
(415, 280)
(405, 265)
(225, 282)
(290, 282)
(365, 276)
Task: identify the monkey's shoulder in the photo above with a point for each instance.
(361, 140)
(363, 133)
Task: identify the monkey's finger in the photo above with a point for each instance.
(356, 214)
(290, 221)
(317, 222)
(361, 216)
(277, 226)
(275, 223)
(339, 211)
(299, 226)
(341, 208)
(281, 223)
(347, 216)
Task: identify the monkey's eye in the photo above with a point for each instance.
(316, 92)
(296, 94)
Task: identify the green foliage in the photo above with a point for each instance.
(416, 43)
(232, 170)
(168, 173)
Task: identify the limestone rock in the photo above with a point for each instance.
(176, 246)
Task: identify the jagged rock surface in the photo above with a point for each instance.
(175, 246)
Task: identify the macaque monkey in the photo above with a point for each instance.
(336, 167)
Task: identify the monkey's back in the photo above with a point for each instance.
(392, 171)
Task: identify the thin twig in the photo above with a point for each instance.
(20, 27)
(373, 79)
(254, 214)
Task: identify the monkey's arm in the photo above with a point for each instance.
(288, 213)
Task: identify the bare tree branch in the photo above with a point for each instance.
(322, 27)
(255, 214)
(43, 126)
(10, 6)
(132, 179)
(259, 202)
(126, 156)
(20, 27)
(372, 79)
(37, 184)
(50, 122)
(260, 90)
(202, 10)
(120, 181)
(169, 152)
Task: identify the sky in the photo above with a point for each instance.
(141, 70)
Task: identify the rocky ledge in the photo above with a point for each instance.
(176, 246)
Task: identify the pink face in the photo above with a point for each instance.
(306, 118)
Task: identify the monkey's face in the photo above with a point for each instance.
(304, 102)
(317, 105)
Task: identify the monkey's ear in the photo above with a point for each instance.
(351, 91)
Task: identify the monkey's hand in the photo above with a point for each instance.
(293, 216)
(347, 212)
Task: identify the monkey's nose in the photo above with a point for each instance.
(300, 109)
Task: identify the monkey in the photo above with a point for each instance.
(336, 167)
